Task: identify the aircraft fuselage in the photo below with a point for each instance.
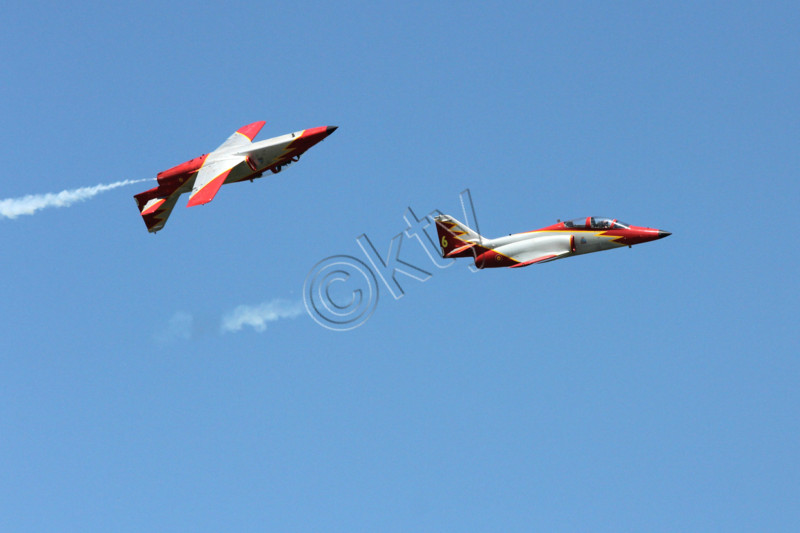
(561, 240)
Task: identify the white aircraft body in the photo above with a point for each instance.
(237, 159)
(563, 239)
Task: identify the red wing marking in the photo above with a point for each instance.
(207, 192)
(251, 130)
(210, 178)
(241, 137)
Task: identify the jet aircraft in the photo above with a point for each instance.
(563, 239)
(237, 159)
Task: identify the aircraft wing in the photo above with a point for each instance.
(531, 258)
(540, 259)
(210, 178)
(215, 171)
(241, 137)
(549, 250)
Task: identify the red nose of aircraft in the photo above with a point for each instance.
(310, 137)
(319, 133)
(638, 235)
(650, 234)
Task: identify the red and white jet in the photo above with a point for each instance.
(564, 239)
(237, 159)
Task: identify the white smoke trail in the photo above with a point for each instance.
(258, 315)
(28, 205)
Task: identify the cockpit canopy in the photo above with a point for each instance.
(595, 223)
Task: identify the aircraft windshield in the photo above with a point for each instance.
(595, 223)
(579, 223)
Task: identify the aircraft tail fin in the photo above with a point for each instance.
(155, 207)
(456, 239)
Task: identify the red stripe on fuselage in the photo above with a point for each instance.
(626, 237)
(183, 171)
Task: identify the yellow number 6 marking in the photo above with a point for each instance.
(444, 241)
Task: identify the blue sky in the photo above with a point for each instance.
(648, 389)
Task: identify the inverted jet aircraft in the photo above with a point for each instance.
(237, 159)
(564, 239)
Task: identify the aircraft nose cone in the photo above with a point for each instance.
(662, 234)
(330, 129)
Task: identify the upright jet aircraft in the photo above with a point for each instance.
(564, 239)
(237, 159)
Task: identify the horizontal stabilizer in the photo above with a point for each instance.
(456, 251)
